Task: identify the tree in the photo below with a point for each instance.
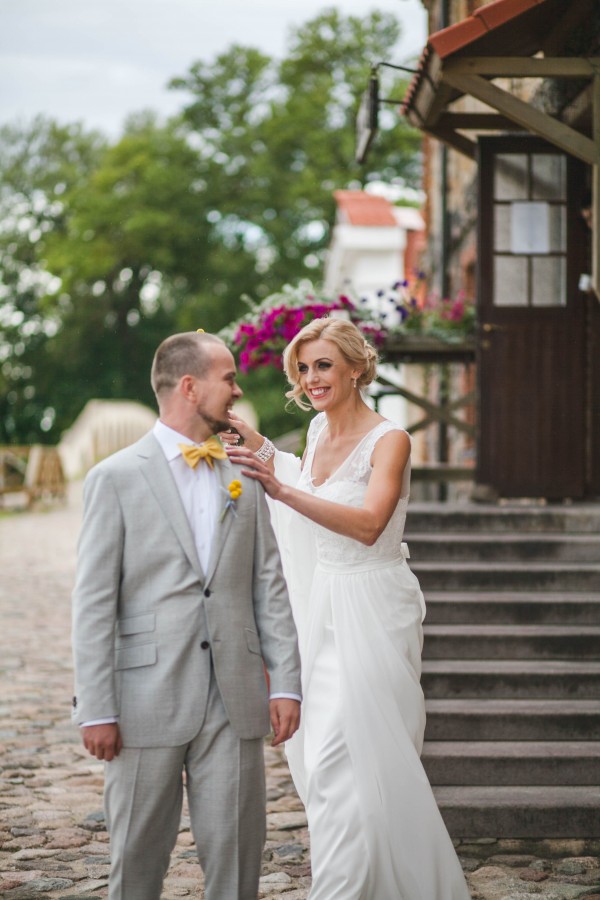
(276, 139)
(39, 163)
(106, 249)
(137, 248)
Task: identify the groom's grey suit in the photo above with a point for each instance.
(176, 654)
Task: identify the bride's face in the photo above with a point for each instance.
(325, 376)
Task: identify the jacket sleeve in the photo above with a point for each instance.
(95, 599)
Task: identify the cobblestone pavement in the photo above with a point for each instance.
(52, 838)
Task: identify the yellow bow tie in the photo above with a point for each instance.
(209, 450)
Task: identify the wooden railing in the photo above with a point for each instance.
(441, 413)
(35, 471)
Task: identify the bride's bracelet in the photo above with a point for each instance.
(265, 451)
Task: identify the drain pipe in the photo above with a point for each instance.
(444, 386)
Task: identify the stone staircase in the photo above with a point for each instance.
(511, 666)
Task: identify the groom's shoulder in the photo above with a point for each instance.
(127, 457)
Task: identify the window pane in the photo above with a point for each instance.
(510, 281)
(549, 176)
(558, 229)
(548, 281)
(510, 176)
(529, 227)
(502, 217)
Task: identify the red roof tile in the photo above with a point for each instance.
(486, 18)
(360, 208)
(486, 23)
(500, 11)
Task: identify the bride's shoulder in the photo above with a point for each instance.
(386, 426)
(394, 435)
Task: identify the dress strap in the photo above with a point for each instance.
(312, 436)
(378, 432)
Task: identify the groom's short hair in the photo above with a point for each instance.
(179, 355)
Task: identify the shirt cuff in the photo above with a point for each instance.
(110, 721)
(284, 696)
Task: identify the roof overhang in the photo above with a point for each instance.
(512, 39)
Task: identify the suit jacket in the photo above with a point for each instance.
(146, 617)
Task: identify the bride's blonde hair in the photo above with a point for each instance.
(356, 351)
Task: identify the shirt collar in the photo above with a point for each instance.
(169, 440)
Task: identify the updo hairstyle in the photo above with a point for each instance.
(356, 351)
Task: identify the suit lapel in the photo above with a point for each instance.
(226, 473)
(155, 470)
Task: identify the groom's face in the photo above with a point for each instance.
(218, 390)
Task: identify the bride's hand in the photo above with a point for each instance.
(251, 438)
(256, 469)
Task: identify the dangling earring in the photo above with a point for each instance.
(354, 382)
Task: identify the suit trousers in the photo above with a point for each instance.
(225, 783)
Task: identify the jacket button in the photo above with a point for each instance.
(207, 593)
(205, 645)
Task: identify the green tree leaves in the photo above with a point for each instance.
(105, 249)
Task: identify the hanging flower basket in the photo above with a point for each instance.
(390, 318)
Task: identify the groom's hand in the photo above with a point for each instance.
(102, 741)
(285, 719)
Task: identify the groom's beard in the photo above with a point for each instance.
(215, 425)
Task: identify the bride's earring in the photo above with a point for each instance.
(354, 382)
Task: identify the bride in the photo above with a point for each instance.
(375, 830)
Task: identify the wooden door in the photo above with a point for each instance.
(533, 378)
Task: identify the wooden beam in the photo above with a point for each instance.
(524, 114)
(523, 66)
(474, 121)
(454, 140)
(580, 107)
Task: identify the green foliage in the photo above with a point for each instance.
(106, 249)
(39, 164)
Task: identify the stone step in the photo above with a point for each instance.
(582, 518)
(511, 679)
(512, 642)
(512, 720)
(520, 812)
(427, 547)
(512, 762)
(437, 576)
(498, 608)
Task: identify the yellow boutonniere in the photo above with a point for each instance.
(234, 491)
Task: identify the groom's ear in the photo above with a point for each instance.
(187, 387)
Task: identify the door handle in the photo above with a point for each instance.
(488, 327)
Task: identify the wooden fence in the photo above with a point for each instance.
(35, 471)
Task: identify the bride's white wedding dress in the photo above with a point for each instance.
(375, 830)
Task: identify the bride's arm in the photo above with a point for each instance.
(365, 523)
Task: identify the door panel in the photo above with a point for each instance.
(532, 360)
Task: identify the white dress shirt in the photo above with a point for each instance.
(202, 496)
(200, 490)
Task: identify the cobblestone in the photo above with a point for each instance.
(53, 842)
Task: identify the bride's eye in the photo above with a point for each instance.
(324, 365)
(302, 369)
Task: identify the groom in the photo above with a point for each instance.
(178, 600)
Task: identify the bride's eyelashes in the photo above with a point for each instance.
(323, 365)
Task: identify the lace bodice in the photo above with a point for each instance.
(348, 485)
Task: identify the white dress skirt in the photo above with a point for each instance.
(375, 830)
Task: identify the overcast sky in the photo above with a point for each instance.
(96, 61)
